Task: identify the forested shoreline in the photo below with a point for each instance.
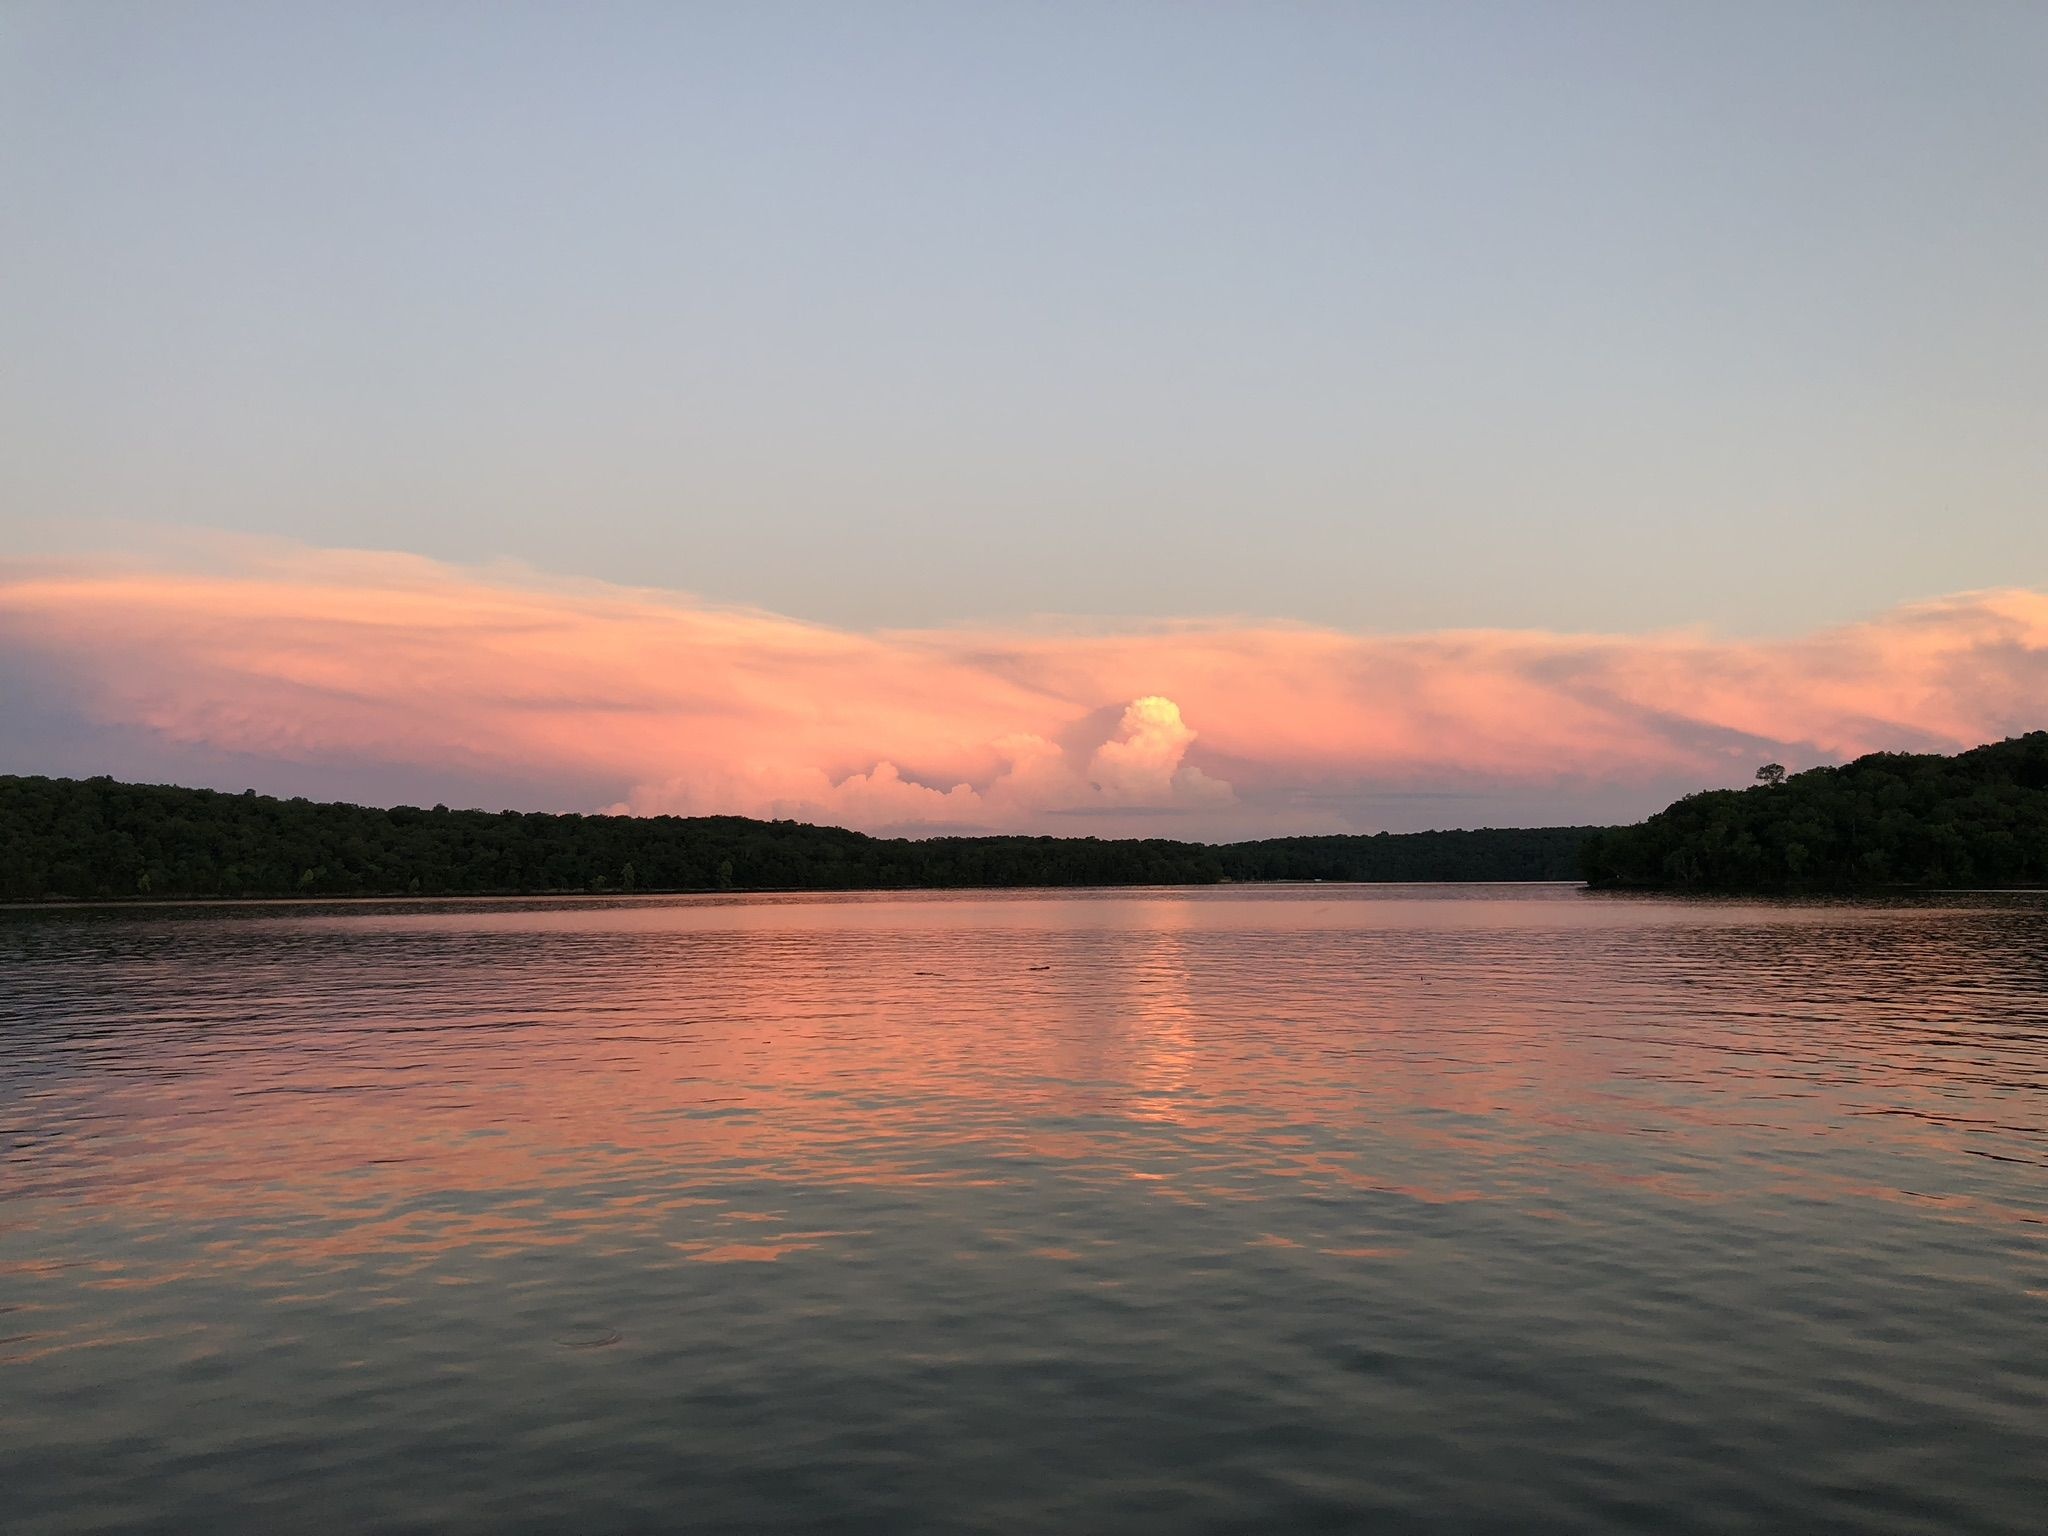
(98, 839)
(1978, 818)
(1889, 819)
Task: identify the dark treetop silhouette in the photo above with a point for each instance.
(95, 838)
(1892, 818)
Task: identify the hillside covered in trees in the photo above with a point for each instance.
(98, 839)
(1892, 818)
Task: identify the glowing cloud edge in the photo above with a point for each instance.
(1195, 728)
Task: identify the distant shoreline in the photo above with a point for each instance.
(408, 898)
(1886, 823)
(379, 898)
(101, 840)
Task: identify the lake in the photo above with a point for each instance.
(1240, 1209)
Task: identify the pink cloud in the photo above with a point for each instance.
(1210, 728)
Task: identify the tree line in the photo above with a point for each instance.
(97, 839)
(1892, 818)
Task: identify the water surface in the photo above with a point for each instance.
(1346, 1208)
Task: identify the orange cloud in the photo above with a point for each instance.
(1211, 728)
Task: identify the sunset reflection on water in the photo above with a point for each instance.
(1243, 1205)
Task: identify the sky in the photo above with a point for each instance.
(1216, 420)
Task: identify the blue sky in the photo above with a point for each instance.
(992, 415)
(1571, 315)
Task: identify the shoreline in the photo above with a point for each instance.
(67, 903)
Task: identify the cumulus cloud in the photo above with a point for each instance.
(1138, 768)
(1141, 764)
(295, 656)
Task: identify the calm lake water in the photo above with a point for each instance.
(1345, 1208)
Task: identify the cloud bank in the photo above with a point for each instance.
(584, 695)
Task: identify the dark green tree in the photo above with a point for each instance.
(102, 840)
(1892, 818)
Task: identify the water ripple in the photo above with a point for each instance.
(1472, 1208)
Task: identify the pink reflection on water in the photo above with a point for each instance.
(311, 1093)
